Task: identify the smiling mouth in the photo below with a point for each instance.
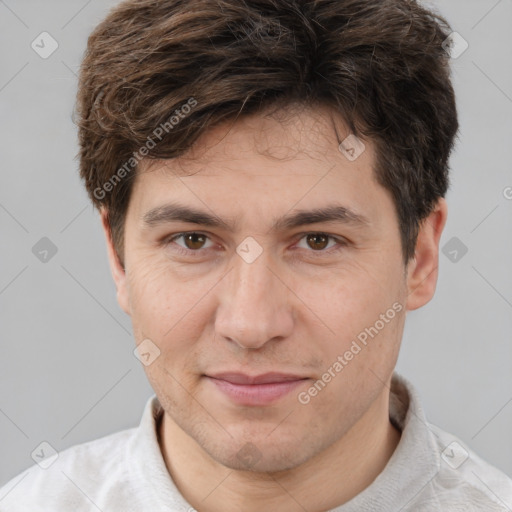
(256, 390)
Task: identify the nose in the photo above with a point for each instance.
(255, 305)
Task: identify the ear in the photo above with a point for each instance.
(423, 268)
(117, 270)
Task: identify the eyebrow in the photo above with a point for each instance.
(172, 212)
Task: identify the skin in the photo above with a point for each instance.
(294, 309)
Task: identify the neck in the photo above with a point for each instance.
(337, 474)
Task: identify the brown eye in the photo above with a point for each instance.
(190, 244)
(194, 241)
(317, 241)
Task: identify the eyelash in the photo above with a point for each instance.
(187, 252)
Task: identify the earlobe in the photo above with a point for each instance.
(116, 269)
(423, 268)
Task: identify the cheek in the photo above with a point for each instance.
(171, 314)
(363, 309)
(156, 302)
(346, 301)
(169, 310)
(356, 362)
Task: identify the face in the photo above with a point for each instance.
(273, 319)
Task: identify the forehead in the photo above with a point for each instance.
(290, 156)
(271, 140)
(293, 132)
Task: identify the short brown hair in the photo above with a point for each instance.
(381, 64)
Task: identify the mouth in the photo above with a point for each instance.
(255, 390)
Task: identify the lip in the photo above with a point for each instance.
(265, 378)
(254, 390)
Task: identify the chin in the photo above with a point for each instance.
(261, 456)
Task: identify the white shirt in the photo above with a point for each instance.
(430, 471)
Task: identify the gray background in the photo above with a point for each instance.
(67, 370)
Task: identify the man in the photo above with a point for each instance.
(271, 179)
